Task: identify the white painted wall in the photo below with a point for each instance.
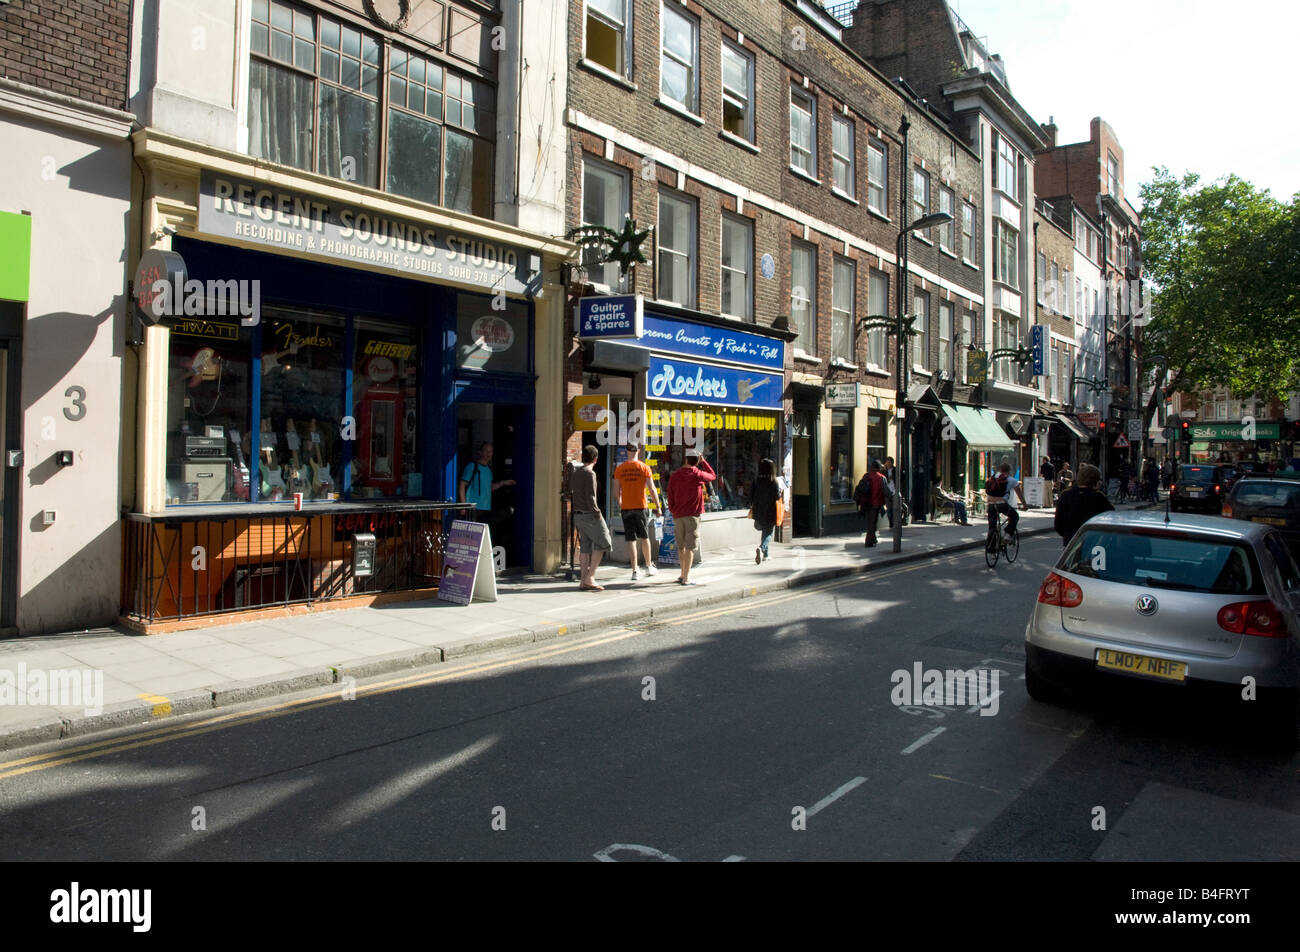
(76, 186)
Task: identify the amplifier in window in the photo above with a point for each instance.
(205, 447)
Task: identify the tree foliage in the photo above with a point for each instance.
(1223, 260)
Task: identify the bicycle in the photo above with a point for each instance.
(998, 545)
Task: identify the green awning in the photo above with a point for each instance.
(15, 256)
(979, 428)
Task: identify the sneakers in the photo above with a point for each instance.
(651, 570)
(758, 555)
(636, 575)
(683, 581)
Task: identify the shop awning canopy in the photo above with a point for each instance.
(1075, 427)
(979, 428)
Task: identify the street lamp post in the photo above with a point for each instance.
(902, 330)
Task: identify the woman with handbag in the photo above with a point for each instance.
(768, 507)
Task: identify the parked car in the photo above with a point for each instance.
(1271, 501)
(1197, 602)
(1197, 487)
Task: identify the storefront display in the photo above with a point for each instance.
(305, 443)
(733, 442)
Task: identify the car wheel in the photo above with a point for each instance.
(1040, 689)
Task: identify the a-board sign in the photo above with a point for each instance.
(467, 570)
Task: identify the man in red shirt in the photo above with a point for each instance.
(686, 503)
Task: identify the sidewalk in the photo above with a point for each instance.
(148, 677)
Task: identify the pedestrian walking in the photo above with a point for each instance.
(636, 482)
(769, 490)
(890, 472)
(1079, 504)
(686, 503)
(593, 533)
(871, 497)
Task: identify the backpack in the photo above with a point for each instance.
(996, 485)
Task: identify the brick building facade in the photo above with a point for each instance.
(796, 148)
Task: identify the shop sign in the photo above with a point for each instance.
(1234, 431)
(493, 334)
(261, 214)
(684, 381)
(611, 316)
(657, 418)
(842, 395)
(977, 367)
(712, 343)
(156, 265)
(1091, 420)
(589, 412)
(468, 572)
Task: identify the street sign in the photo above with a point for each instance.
(1135, 429)
(1018, 424)
(1121, 443)
(1037, 333)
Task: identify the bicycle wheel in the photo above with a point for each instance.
(991, 548)
(1012, 548)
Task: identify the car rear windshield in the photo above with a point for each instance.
(1260, 492)
(1153, 558)
(1197, 474)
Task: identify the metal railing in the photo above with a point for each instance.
(180, 566)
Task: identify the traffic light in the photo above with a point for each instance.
(1186, 428)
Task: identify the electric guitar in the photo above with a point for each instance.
(298, 482)
(322, 480)
(273, 486)
(239, 476)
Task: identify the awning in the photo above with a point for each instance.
(923, 397)
(979, 428)
(1075, 427)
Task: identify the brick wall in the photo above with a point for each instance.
(77, 48)
(787, 48)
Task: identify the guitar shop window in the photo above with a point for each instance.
(385, 406)
(733, 440)
(301, 424)
(208, 399)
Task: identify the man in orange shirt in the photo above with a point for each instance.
(635, 480)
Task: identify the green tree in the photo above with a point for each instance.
(1223, 260)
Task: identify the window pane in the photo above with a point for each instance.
(329, 65)
(304, 27)
(282, 17)
(351, 42)
(736, 258)
(803, 266)
(604, 202)
(279, 115)
(329, 33)
(415, 98)
(261, 10)
(282, 46)
(676, 82)
(349, 136)
(679, 35)
(842, 310)
(304, 54)
(414, 156)
(416, 69)
(612, 9)
(841, 461)
(261, 38)
(735, 72)
(350, 75)
(468, 174)
(604, 44)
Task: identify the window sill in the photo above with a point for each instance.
(876, 370)
(844, 196)
(970, 264)
(945, 251)
(841, 364)
(734, 139)
(881, 215)
(924, 372)
(679, 110)
(801, 357)
(920, 237)
(603, 72)
(804, 175)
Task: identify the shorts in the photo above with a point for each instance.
(592, 532)
(687, 530)
(636, 524)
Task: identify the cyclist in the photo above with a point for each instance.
(997, 493)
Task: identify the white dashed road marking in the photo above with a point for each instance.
(917, 745)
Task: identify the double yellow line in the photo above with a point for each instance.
(167, 733)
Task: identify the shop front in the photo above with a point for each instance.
(316, 374)
(1236, 442)
(977, 446)
(673, 380)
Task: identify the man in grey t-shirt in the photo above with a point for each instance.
(593, 534)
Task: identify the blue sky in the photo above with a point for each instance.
(1195, 85)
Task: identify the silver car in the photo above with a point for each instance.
(1195, 602)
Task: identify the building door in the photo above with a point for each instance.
(10, 439)
(508, 427)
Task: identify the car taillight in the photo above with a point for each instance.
(1216, 489)
(1252, 618)
(1056, 590)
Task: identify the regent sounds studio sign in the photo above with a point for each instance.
(277, 218)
